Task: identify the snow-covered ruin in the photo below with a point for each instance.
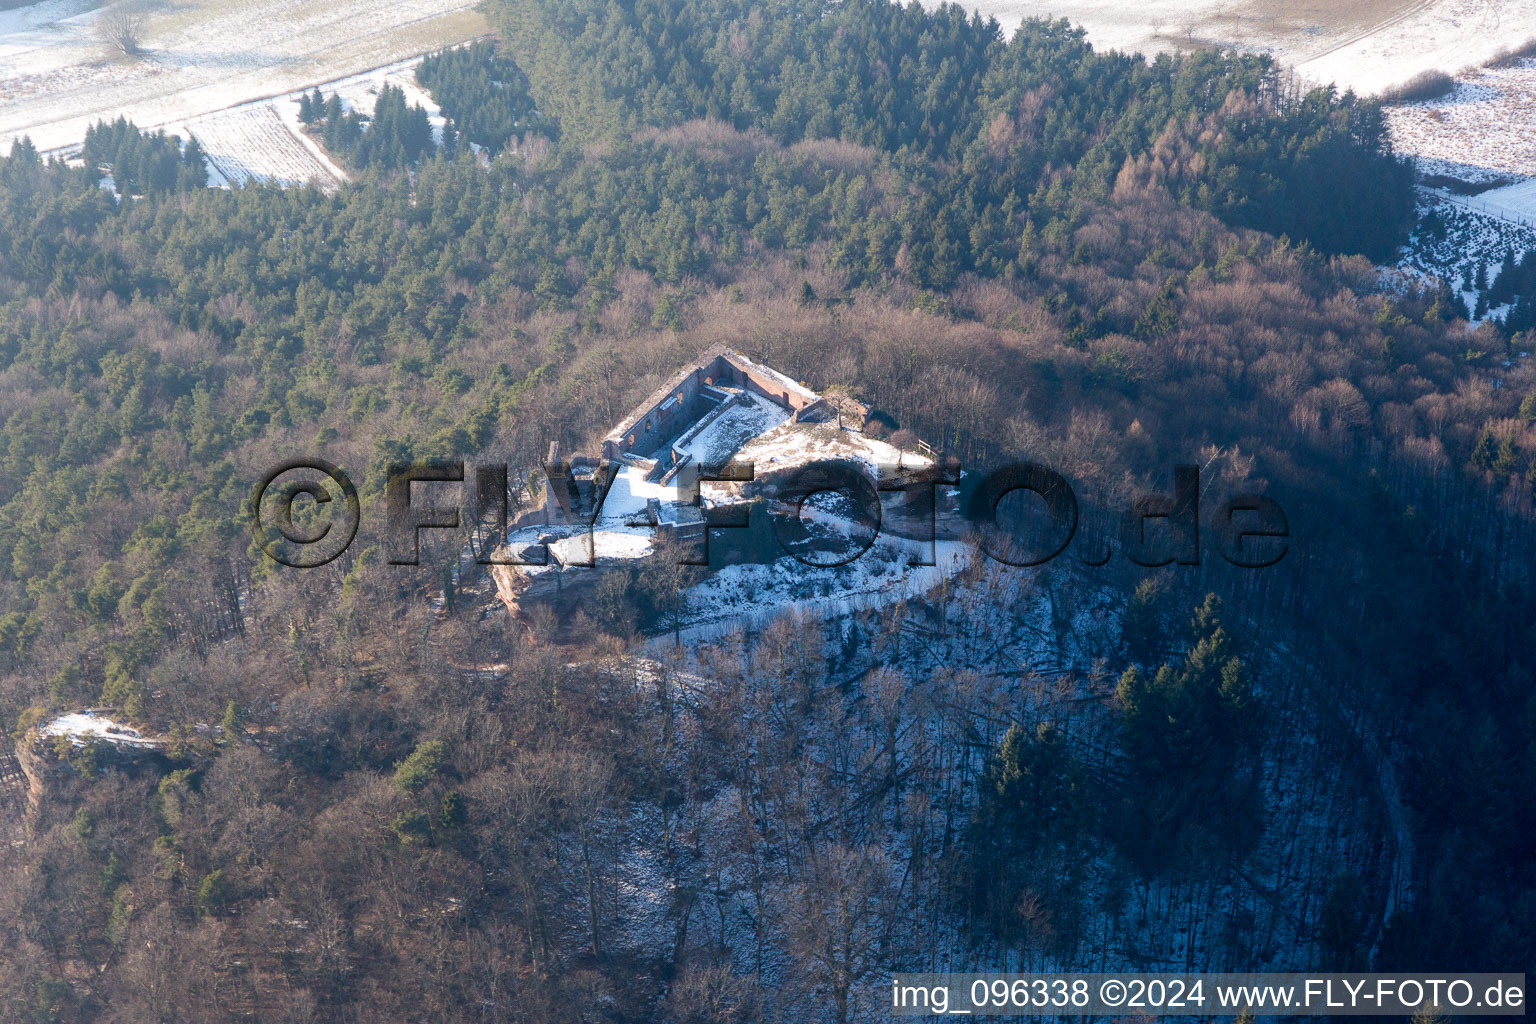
(657, 472)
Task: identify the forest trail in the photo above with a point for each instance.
(1380, 26)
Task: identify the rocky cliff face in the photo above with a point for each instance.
(66, 747)
(15, 793)
(510, 584)
(41, 771)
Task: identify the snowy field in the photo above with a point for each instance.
(1475, 151)
(57, 78)
(265, 141)
(1482, 132)
(1431, 35)
(252, 143)
(1366, 45)
(1514, 203)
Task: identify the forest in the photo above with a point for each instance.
(383, 799)
(484, 94)
(393, 137)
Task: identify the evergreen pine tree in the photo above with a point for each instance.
(233, 723)
(194, 168)
(1522, 317)
(1160, 316)
(1389, 351)
(23, 151)
(1206, 620)
(1141, 629)
(1484, 452)
(1504, 460)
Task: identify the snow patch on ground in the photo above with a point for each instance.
(753, 595)
(628, 495)
(1481, 132)
(1515, 203)
(1466, 237)
(584, 547)
(747, 416)
(795, 444)
(82, 727)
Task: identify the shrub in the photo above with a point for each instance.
(412, 827)
(212, 894)
(421, 767)
(1511, 55)
(1428, 85)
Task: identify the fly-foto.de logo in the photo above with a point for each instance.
(306, 512)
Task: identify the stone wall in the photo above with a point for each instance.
(670, 408)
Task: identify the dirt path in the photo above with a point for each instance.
(1380, 26)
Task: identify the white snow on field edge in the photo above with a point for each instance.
(1428, 35)
(1325, 43)
(1515, 202)
(1482, 131)
(1479, 134)
(252, 144)
(201, 57)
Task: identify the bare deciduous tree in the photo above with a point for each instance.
(120, 26)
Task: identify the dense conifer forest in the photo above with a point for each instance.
(387, 801)
(394, 136)
(484, 94)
